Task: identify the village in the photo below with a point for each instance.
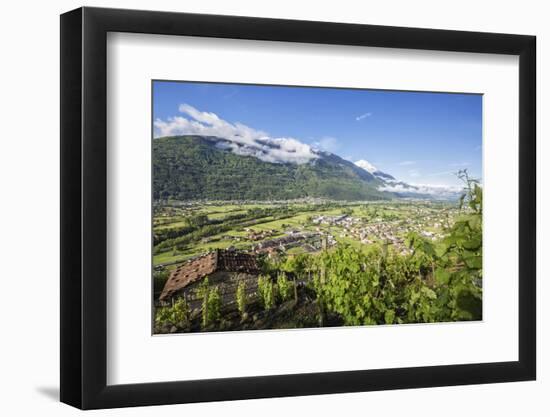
(393, 231)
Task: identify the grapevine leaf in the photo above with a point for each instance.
(442, 276)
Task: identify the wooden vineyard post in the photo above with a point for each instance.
(295, 290)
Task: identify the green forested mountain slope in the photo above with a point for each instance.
(193, 167)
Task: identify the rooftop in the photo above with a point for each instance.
(198, 268)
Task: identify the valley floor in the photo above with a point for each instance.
(357, 224)
(285, 249)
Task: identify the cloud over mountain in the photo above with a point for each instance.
(239, 138)
(366, 165)
(436, 191)
(395, 186)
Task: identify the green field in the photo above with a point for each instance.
(241, 220)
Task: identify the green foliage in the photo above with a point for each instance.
(211, 303)
(191, 237)
(241, 297)
(265, 291)
(176, 315)
(197, 220)
(193, 167)
(462, 253)
(167, 239)
(204, 288)
(431, 284)
(299, 265)
(442, 276)
(159, 279)
(373, 288)
(170, 233)
(381, 288)
(284, 287)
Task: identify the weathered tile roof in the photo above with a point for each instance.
(198, 268)
(233, 261)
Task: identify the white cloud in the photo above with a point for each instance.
(363, 116)
(414, 173)
(460, 164)
(241, 139)
(327, 143)
(405, 163)
(366, 165)
(440, 191)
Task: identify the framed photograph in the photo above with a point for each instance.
(258, 208)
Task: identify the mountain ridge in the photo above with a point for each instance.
(194, 167)
(197, 167)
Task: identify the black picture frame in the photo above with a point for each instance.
(84, 207)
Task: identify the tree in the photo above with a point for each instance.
(198, 220)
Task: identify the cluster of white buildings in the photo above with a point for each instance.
(342, 220)
(310, 241)
(422, 220)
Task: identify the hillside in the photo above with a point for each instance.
(198, 167)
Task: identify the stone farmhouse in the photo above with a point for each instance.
(224, 269)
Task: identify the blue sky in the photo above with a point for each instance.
(420, 138)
